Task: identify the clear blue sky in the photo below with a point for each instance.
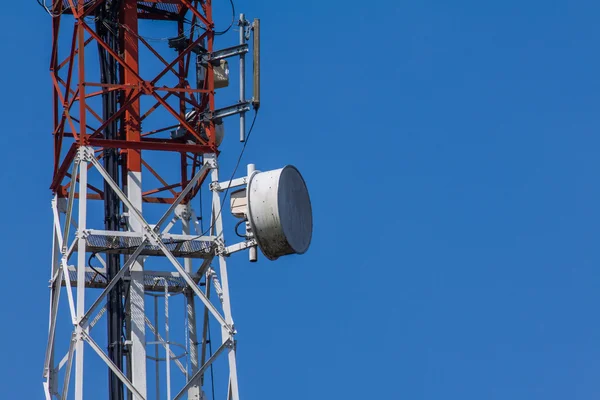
(451, 150)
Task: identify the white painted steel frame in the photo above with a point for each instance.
(82, 318)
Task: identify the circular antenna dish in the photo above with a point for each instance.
(279, 212)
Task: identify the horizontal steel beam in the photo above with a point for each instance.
(234, 248)
(223, 186)
(228, 111)
(151, 144)
(223, 53)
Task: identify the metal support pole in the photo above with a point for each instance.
(138, 328)
(81, 265)
(242, 24)
(157, 362)
(50, 372)
(132, 125)
(167, 339)
(225, 335)
(253, 251)
(115, 313)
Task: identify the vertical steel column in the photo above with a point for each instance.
(225, 336)
(167, 339)
(134, 193)
(81, 245)
(50, 373)
(210, 85)
(107, 17)
(156, 355)
(138, 329)
(81, 265)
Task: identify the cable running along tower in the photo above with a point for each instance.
(137, 136)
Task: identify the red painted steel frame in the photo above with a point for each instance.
(77, 118)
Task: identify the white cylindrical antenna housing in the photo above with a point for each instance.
(280, 212)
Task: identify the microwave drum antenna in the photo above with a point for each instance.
(279, 212)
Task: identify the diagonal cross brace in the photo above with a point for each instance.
(52, 329)
(112, 366)
(69, 212)
(152, 235)
(203, 171)
(69, 363)
(227, 344)
(188, 279)
(133, 209)
(130, 261)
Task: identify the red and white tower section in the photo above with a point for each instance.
(140, 306)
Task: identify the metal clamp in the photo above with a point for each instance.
(218, 55)
(227, 111)
(221, 249)
(248, 244)
(223, 186)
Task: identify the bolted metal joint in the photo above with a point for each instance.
(78, 336)
(221, 249)
(86, 154)
(211, 163)
(183, 213)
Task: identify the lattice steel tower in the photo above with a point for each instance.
(136, 140)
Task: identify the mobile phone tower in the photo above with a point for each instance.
(137, 137)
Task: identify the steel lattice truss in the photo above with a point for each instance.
(70, 256)
(78, 122)
(143, 139)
